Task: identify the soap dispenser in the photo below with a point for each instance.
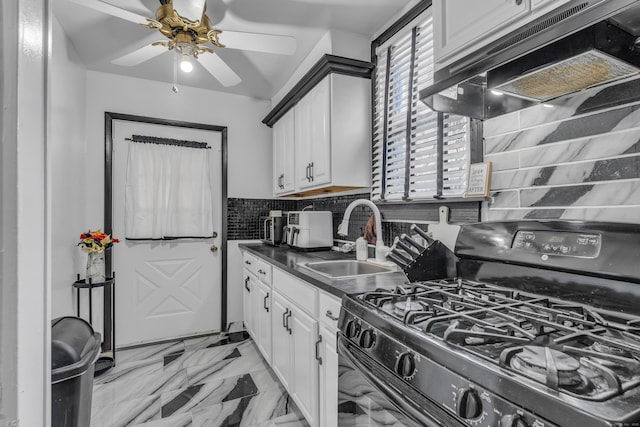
(362, 249)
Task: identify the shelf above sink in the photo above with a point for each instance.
(340, 269)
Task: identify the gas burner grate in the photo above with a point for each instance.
(570, 347)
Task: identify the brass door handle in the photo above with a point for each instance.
(214, 248)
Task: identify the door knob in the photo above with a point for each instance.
(214, 248)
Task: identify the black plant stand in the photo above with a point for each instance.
(104, 363)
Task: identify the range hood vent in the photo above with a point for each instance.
(585, 70)
(585, 44)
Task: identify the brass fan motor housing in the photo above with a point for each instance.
(181, 31)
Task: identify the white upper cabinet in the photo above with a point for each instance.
(283, 161)
(331, 128)
(463, 26)
(313, 137)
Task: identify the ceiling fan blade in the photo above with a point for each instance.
(219, 69)
(268, 43)
(139, 56)
(190, 9)
(111, 10)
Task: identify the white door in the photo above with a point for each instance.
(172, 288)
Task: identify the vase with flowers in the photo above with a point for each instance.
(94, 243)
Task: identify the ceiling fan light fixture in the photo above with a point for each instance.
(185, 63)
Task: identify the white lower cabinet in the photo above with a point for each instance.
(305, 365)
(281, 340)
(256, 305)
(262, 324)
(294, 354)
(328, 378)
(247, 301)
(294, 325)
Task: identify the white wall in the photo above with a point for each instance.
(334, 42)
(67, 159)
(249, 141)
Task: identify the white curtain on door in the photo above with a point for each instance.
(167, 192)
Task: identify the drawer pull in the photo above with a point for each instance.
(284, 319)
(289, 317)
(318, 358)
(265, 302)
(247, 262)
(246, 284)
(261, 271)
(330, 315)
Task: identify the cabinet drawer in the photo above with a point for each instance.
(296, 290)
(263, 270)
(328, 310)
(250, 262)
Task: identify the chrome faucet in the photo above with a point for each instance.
(343, 228)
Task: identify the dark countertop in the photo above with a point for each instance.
(287, 259)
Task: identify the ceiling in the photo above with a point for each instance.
(99, 38)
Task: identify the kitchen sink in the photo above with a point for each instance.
(345, 268)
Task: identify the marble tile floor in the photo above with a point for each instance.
(208, 382)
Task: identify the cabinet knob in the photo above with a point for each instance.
(214, 248)
(518, 2)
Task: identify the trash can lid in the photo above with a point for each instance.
(74, 347)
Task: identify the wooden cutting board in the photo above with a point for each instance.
(443, 231)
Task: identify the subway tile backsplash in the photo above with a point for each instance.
(579, 159)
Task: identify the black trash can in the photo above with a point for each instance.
(74, 351)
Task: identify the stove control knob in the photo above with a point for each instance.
(513, 421)
(406, 365)
(352, 329)
(367, 339)
(469, 404)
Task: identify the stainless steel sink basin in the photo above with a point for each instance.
(345, 268)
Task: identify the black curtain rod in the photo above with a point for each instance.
(167, 141)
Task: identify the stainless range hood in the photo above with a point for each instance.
(583, 44)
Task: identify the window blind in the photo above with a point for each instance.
(407, 135)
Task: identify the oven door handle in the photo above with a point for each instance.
(390, 393)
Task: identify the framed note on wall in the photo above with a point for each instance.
(479, 180)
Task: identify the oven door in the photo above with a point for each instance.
(369, 395)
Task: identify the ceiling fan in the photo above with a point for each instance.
(188, 32)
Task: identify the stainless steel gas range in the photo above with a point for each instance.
(541, 327)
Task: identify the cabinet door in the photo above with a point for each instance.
(283, 154)
(328, 378)
(320, 98)
(461, 23)
(263, 323)
(281, 340)
(303, 140)
(247, 302)
(304, 378)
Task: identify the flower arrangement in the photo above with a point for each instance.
(96, 241)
